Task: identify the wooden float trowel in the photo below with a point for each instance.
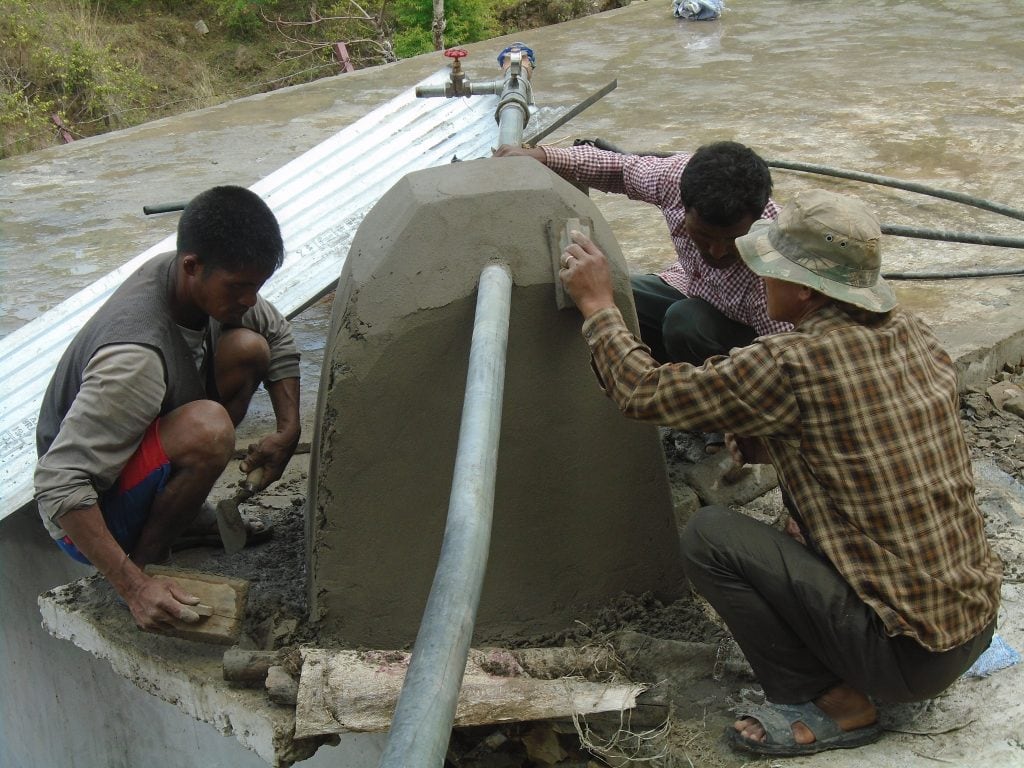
(560, 238)
(233, 531)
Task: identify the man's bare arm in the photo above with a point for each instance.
(153, 602)
(274, 451)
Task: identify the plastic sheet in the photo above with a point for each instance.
(697, 10)
(998, 656)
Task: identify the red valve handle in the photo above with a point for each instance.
(456, 53)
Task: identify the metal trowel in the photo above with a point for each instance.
(233, 531)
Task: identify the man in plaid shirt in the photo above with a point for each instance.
(708, 301)
(891, 590)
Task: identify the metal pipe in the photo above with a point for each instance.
(513, 112)
(592, 99)
(429, 91)
(512, 121)
(421, 727)
(164, 207)
(516, 95)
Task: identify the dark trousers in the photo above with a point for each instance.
(679, 329)
(801, 626)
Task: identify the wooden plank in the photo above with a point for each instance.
(358, 691)
(249, 667)
(222, 605)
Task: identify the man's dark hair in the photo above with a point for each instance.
(231, 228)
(725, 181)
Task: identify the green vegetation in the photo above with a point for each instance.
(76, 68)
(58, 67)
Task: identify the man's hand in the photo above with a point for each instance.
(511, 150)
(586, 276)
(154, 603)
(272, 453)
(747, 450)
(794, 531)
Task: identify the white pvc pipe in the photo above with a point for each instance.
(421, 727)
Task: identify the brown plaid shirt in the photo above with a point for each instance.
(860, 416)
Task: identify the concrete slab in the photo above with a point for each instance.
(767, 74)
(182, 672)
(971, 724)
(919, 90)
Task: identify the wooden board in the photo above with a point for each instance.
(358, 691)
(222, 597)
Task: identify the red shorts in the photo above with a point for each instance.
(126, 504)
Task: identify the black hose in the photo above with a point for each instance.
(979, 272)
(910, 186)
(974, 238)
(870, 178)
(893, 229)
(163, 208)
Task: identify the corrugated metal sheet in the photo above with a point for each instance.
(319, 199)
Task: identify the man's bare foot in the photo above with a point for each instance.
(850, 708)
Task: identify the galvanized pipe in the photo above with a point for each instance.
(514, 91)
(423, 719)
(513, 112)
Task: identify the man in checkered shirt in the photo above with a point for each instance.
(891, 590)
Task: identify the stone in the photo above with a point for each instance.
(1015, 405)
(717, 480)
(685, 502)
(1006, 395)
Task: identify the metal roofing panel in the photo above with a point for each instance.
(319, 198)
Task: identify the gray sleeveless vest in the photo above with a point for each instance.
(136, 313)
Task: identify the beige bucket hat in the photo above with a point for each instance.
(826, 241)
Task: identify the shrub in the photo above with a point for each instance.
(242, 18)
(466, 22)
(54, 66)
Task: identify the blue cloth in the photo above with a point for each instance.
(697, 10)
(998, 656)
(525, 49)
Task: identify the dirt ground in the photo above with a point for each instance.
(682, 649)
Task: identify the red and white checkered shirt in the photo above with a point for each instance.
(736, 291)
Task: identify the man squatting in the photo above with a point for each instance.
(138, 421)
(892, 592)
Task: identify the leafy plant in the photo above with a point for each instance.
(52, 70)
(466, 21)
(94, 65)
(243, 18)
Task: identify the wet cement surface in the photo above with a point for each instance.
(928, 92)
(931, 92)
